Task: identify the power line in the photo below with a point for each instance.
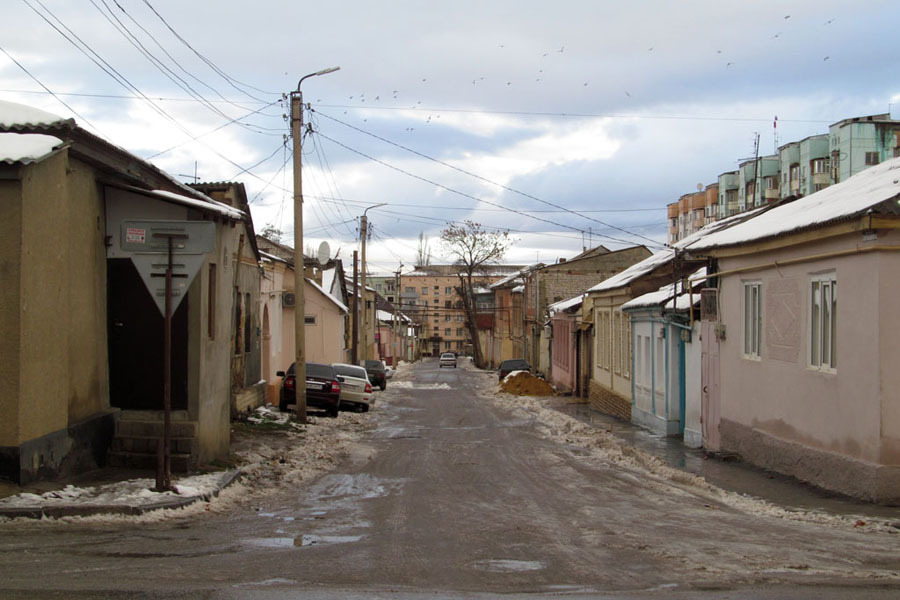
(49, 91)
(486, 180)
(465, 195)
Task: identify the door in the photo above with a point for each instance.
(135, 332)
(709, 381)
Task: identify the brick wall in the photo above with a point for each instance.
(609, 402)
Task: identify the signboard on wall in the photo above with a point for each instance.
(147, 244)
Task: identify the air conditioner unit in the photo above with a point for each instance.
(288, 299)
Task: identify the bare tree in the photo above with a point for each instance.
(423, 253)
(272, 233)
(473, 249)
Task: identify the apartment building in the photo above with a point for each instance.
(799, 169)
(428, 296)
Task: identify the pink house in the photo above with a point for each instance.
(795, 380)
(565, 345)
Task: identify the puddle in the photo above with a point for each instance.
(266, 582)
(313, 540)
(276, 542)
(509, 566)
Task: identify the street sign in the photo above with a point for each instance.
(147, 244)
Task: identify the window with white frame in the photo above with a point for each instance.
(823, 322)
(752, 318)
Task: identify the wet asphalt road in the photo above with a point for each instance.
(451, 496)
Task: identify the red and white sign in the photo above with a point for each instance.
(133, 235)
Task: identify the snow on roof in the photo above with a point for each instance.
(327, 295)
(19, 116)
(328, 279)
(519, 289)
(383, 315)
(272, 257)
(210, 204)
(26, 147)
(663, 257)
(564, 305)
(844, 200)
(663, 296)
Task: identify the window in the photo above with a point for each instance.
(448, 317)
(436, 301)
(447, 331)
(459, 345)
(309, 319)
(752, 319)
(448, 304)
(409, 290)
(459, 331)
(820, 166)
(437, 289)
(459, 318)
(823, 322)
(448, 290)
(424, 290)
(872, 158)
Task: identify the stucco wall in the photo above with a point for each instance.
(562, 372)
(44, 366)
(10, 317)
(325, 339)
(848, 412)
(86, 295)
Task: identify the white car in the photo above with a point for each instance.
(356, 391)
(448, 359)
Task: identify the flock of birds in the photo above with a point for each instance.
(395, 94)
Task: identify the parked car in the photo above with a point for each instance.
(356, 391)
(448, 359)
(323, 390)
(375, 370)
(513, 364)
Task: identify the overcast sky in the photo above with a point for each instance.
(515, 114)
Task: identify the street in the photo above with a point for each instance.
(450, 493)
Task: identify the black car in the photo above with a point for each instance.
(323, 390)
(375, 370)
(513, 364)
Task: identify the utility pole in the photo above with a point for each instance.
(397, 344)
(299, 271)
(363, 236)
(354, 354)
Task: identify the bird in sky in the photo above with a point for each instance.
(826, 58)
(561, 50)
(829, 21)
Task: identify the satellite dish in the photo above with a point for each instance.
(699, 187)
(324, 253)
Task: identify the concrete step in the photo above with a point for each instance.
(154, 428)
(148, 444)
(180, 463)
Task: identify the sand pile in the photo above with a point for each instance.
(523, 383)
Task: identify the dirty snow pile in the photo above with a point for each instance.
(523, 383)
(270, 459)
(134, 492)
(603, 446)
(269, 415)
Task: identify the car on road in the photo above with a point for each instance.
(376, 372)
(513, 364)
(356, 390)
(448, 359)
(323, 390)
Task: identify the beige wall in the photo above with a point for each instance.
(10, 314)
(612, 362)
(813, 417)
(325, 339)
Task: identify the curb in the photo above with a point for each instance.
(57, 511)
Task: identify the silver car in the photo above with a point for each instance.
(356, 391)
(448, 359)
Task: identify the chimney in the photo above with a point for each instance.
(562, 260)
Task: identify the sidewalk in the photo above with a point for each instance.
(109, 491)
(732, 475)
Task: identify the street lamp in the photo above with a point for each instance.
(299, 271)
(363, 231)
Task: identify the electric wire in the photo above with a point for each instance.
(469, 196)
(484, 179)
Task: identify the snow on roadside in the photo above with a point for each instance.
(605, 447)
(411, 385)
(270, 461)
